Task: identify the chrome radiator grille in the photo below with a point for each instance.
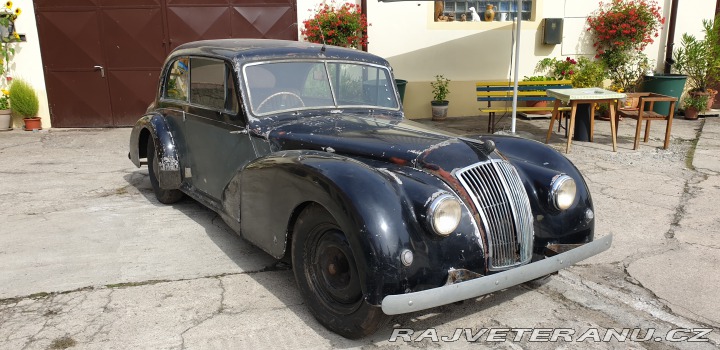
(500, 198)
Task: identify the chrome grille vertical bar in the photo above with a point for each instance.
(500, 198)
(521, 202)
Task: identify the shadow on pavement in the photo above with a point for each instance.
(235, 247)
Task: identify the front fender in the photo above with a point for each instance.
(372, 207)
(155, 125)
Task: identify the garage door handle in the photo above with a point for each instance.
(102, 70)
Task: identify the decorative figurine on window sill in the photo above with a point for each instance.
(489, 14)
(474, 15)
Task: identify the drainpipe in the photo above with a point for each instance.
(671, 37)
(363, 10)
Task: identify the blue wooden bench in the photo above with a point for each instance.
(502, 91)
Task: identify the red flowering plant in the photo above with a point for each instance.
(557, 69)
(623, 25)
(621, 29)
(583, 72)
(342, 26)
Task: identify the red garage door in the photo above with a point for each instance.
(102, 57)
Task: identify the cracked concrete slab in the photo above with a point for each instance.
(688, 283)
(706, 151)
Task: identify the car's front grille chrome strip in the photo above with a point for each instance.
(504, 207)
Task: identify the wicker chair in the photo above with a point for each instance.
(644, 112)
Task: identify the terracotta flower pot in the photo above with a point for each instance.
(538, 104)
(711, 99)
(32, 124)
(691, 113)
(709, 94)
(630, 103)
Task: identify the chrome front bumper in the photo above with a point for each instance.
(410, 302)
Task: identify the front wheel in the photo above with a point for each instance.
(163, 196)
(325, 270)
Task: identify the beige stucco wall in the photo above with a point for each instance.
(466, 52)
(27, 63)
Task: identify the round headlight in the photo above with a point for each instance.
(562, 192)
(444, 214)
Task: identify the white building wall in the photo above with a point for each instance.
(465, 52)
(468, 52)
(27, 63)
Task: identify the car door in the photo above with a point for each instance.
(218, 144)
(173, 101)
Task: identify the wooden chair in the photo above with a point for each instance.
(644, 111)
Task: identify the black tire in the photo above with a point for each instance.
(325, 271)
(163, 196)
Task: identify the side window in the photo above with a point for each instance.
(207, 83)
(231, 99)
(176, 84)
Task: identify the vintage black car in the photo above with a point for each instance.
(304, 151)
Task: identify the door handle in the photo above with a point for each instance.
(102, 70)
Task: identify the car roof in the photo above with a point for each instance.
(249, 50)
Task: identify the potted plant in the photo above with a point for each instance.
(5, 117)
(440, 91)
(24, 103)
(694, 105)
(537, 103)
(556, 69)
(699, 60)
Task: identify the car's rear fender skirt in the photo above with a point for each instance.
(156, 126)
(371, 210)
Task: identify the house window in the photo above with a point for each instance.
(505, 10)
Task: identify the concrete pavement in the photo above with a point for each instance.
(90, 259)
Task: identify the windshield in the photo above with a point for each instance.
(295, 85)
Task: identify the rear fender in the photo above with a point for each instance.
(156, 126)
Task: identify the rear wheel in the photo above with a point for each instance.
(325, 270)
(163, 196)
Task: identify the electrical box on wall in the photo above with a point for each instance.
(552, 34)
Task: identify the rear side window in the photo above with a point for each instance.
(207, 83)
(176, 85)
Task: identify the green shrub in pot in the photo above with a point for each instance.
(23, 99)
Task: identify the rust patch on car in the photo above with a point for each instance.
(398, 161)
(449, 179)
(460, 275)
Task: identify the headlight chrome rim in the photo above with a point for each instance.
(563, 192)
(444, 203)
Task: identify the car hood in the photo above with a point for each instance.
(396, 141)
